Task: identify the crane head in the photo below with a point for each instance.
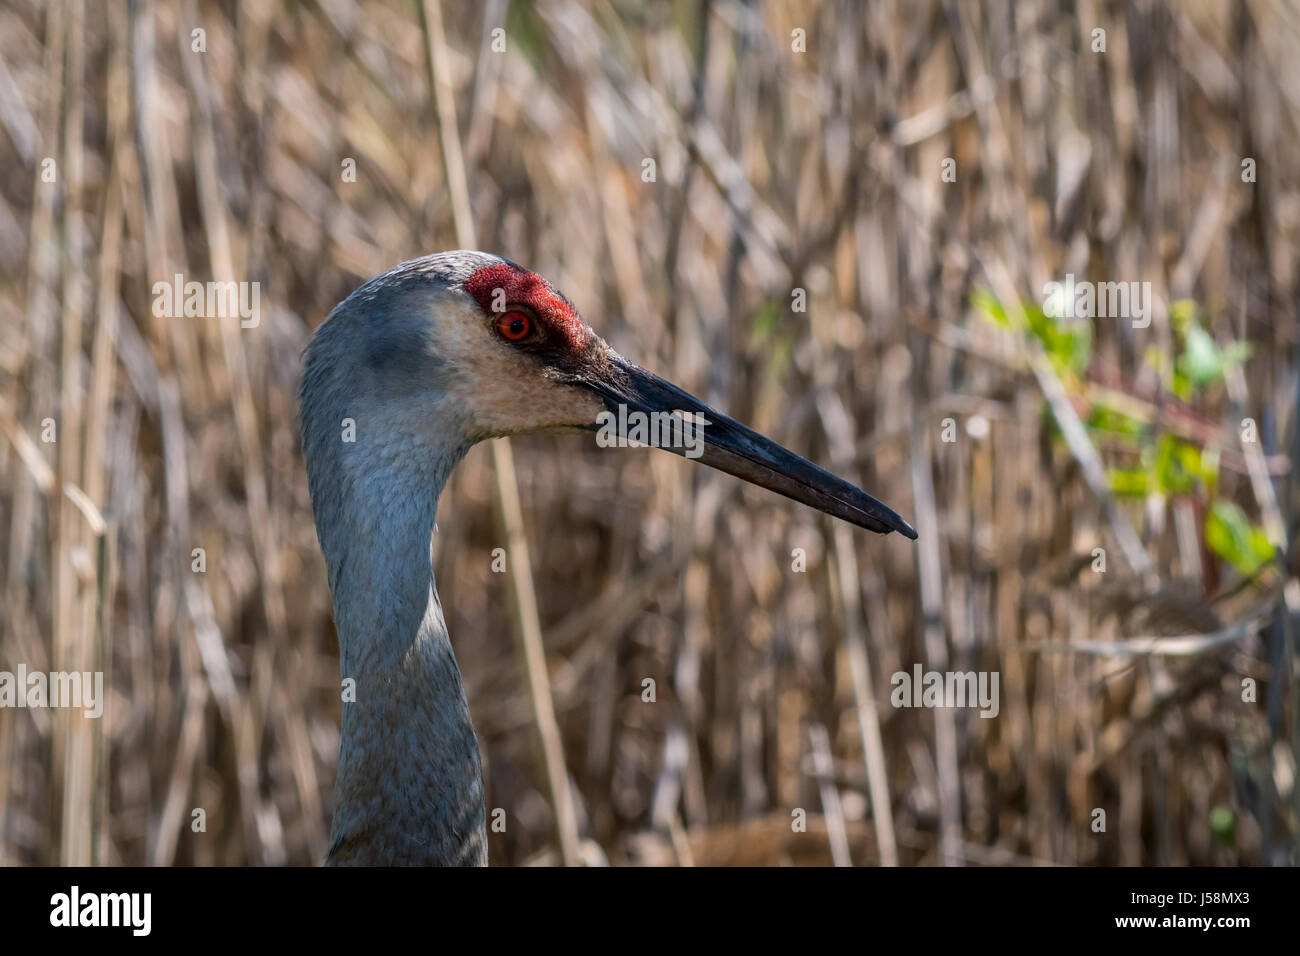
(503, 352)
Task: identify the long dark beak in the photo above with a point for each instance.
(726, 444)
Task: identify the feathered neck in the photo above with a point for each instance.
(409, 788)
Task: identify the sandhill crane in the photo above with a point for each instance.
(407, 373)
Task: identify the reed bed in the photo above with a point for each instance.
(845, 246)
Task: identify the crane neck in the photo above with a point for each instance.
(409, 788)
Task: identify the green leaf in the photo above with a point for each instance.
(1223, 823)
(987, 304)
(1210, 470)
(1154, 357)
(1202, 361)
(1067, 342)
(1177, 465)
(1128, 482)
(1232, 537)
(1182, 313)
(766, 318)
(527, 32)
(1103, 417)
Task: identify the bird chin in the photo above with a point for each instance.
(558, 429)
(570, 429)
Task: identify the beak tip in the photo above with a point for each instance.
(884, 524)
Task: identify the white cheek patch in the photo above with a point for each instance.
(504, 390)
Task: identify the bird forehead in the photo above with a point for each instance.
(519, 286)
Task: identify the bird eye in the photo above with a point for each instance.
(514, 326)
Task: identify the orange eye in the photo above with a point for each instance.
(514, 326)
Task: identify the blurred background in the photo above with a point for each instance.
(835, 221)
